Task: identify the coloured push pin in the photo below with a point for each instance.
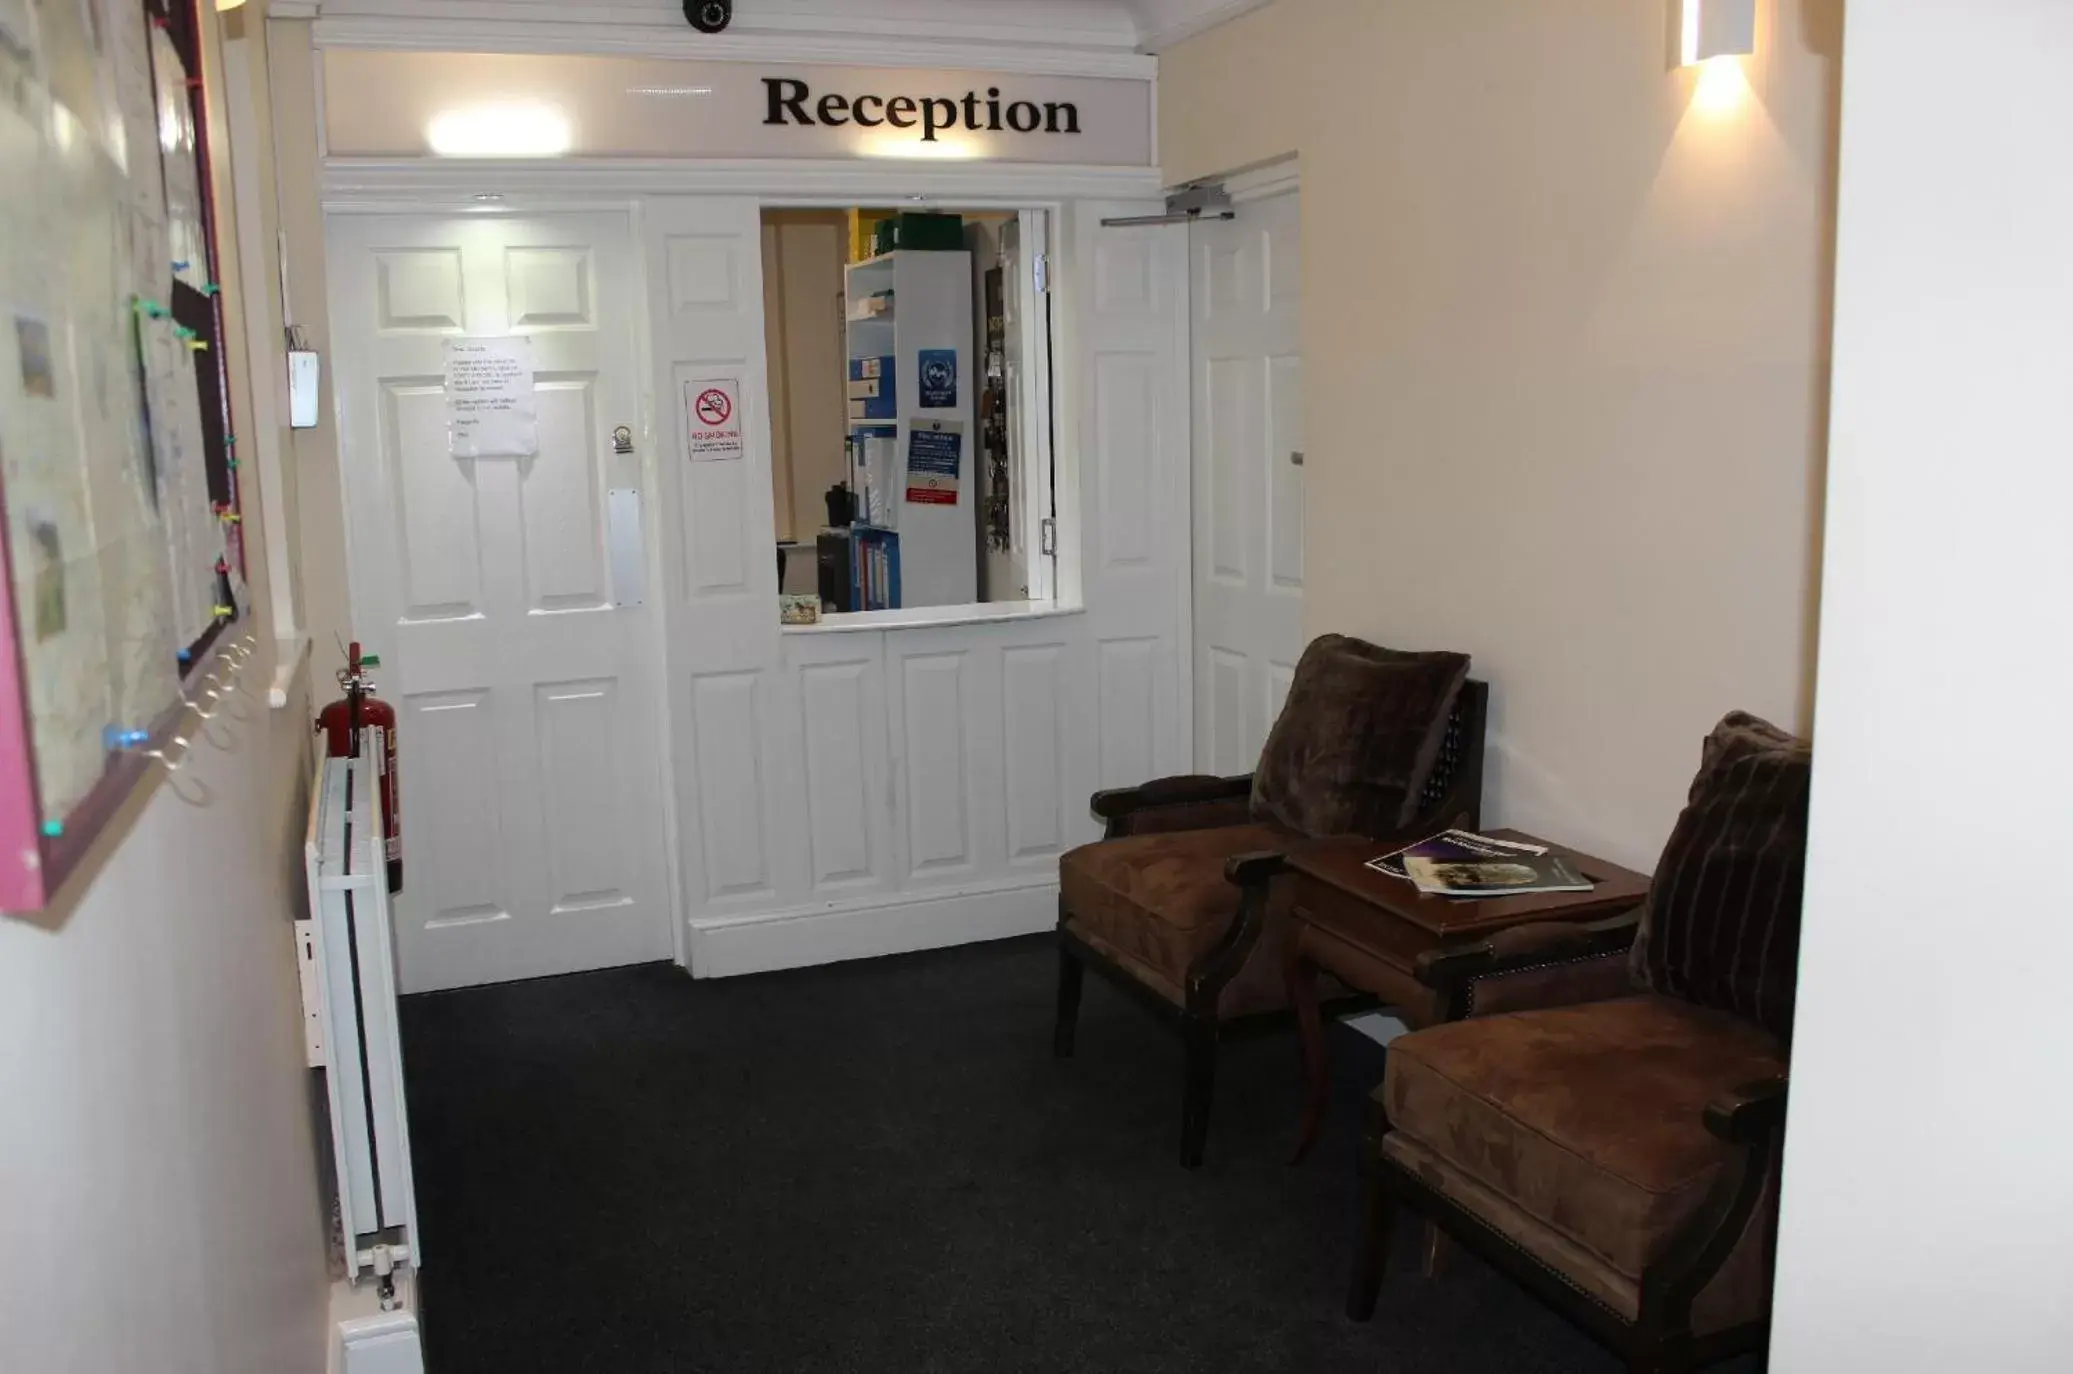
(181, 331)
(53, 829)
(231, 463)
(198, 345)
(152, 310)
(211, 289)
(180, 266)
(226, 612)
(117, 738)
(187, 655)
(229, 440)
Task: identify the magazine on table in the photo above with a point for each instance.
(1516, 875)
(1454, 846)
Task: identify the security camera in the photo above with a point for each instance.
(709, 16)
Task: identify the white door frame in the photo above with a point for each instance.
(425, 186)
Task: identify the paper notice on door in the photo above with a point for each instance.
(712, 420)
(489, 398)
(935, 453)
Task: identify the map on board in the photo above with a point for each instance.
(110, 536)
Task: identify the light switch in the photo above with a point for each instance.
(303, 385)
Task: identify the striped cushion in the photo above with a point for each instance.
(1721, 925)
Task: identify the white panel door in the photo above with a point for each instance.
(1248, 477)
(525, 680)
(1126, 334)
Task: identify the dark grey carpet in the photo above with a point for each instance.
(879, 1167)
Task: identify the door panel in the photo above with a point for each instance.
(531, 788)
(1248, 478)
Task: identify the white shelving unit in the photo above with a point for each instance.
(899, 305)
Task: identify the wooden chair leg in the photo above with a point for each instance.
(1371, 1252)
(1200, 1036)
(1070, 974)
(1317, 1074)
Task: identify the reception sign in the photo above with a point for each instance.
(415, 104)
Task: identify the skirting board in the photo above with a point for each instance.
(722, 946)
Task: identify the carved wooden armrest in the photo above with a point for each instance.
(1252, 870)
(1748, 1114)
(1220, 801)
(1524, 947)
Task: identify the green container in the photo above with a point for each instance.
(922, 232)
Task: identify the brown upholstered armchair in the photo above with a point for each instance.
(1179, 905)
(1619, 1158)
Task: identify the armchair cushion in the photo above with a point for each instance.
(1156, 903)
(1589, 1120)
(1356, 739)
(1722, 920)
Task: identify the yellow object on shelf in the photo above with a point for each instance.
(863, 232)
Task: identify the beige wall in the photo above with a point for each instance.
(803, 256)
(1564, 335)
(320, 513)
(159, 1167)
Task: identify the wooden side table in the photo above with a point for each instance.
(1370, 930)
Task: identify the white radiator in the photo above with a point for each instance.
(349, 1002)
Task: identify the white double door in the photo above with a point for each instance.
(1247, 477)
(525, 672)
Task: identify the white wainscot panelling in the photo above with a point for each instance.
(719, 510)
(704, 273)
(1036, 754)
(1128, 726)
(418, 290)
(838, 722)
(441, 549)
(588, 856)
(938, 800)
(1124, 282)
(451, 799)
(1126, 425)
(726, 717)
(849, 792)
(560, 489)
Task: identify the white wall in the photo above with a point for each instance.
(158, 1176)
(1928, 1208)
(1564, 343)
(159, 1194)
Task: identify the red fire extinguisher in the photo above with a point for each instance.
(342, 723)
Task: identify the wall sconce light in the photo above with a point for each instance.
(1714, 28)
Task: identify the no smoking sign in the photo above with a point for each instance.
(712, 420)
